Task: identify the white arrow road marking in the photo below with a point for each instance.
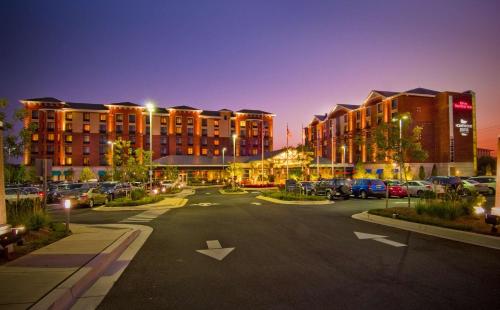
(205, 204)
(207, 193)
(378, 238)
(215, 250)
(256, 203)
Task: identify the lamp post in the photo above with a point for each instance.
(400, 119)
(112, 161)
(67, 207)
(343, 158)
(150, 107)
(223, 151)
(333, 152)
(234, 158)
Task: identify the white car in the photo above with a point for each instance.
(417, 187)
(12, 194)
(489, 181)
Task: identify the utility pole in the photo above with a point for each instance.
(3, 211)
(333, 168)
(262, 147)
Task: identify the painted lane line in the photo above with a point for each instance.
(390, 242)
(378, 238)
(256, 203)
(215, 250)
(214, 244)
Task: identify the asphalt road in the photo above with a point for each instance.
(297, 257)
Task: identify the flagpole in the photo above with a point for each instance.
(287, 133)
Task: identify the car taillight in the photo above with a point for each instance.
(428, 186)
(84, 195)
(40, 194)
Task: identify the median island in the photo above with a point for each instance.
(283, 197)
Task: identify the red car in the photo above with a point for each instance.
(396, 188)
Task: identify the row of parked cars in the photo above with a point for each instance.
(364, 188)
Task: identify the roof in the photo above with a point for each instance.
(246, 111)
(225, 110)
(210, 113)
(125, 104)
(320, 117)
(86, 106)
(422, 91)
(386, 93)
(183, 107)
(349, 106)
(191, 160)
(44, 99)
(161, 110)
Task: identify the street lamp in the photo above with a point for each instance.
(234, 156)
(223, 152)
(67, 207)
(400, 119)
(112, 160)
(150, 107)
(343, 158)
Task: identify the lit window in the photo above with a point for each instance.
(254, 151)
(34, 137)
(216, 152)
(86, 139)
(102, 117)
(203, 151)
(163, 120)
(69, 161)
(86, 161)
(242, 123)
(86, 150)
(190, 151)
(69, 126)
(86, 116)
(178, 120)
(216, 123)
(216, 142)
(178, 130)
(216, 132)
(69, 138)
(86, 127)
(190, 121)
(119, 117)
(68, 150)
(69, 116)
(50, 137)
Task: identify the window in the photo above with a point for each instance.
(358, 115)
(68, 161)
(86, 150)
(146, 119)
(254, 124)
(178, 151)
(394, 104)
(204, 151)
(232, 123)
(34, 114)
(102, 139)
(163, 140)
(216, 123)
(102, 128)
(178, 130)
(243, 142)
(119, 128)
(190, 151)
(86, 127)
(86, 116)
(86, 161)
(50, 137)
(131, 118)
(50, 149)
(147, 130)
(178, 120)
(216, 132)
(225, 117)
(190, 131)
(163, 130)
(243, 124)
(380, 108)
(255, 132)
(190, 140)
(86, 139)
(102, 149)
(131, 138)
(163, 150)
(368, 111)
(216, 142)
(203, 140)
(419, 109)
(34, 148)
(163, 120)
(345, 118)
(131, 128)
(203, 122)
(69, 116)
(50, 114)
(190, 121)
(51, 126)
(102, 117)
(69, 138)
(69, 127)
(204, 132)
(216, 152)
(119, 118)
(255, 151)
(178, 140)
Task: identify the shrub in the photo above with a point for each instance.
(38, 220)
(126, 202)
(445, 209)
(137, 193)
(19, 212)
(282, 195)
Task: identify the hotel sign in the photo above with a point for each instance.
(462, 105)
(464, 127)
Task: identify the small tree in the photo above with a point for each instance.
(434, 171)
(171, 173)
(421, 173)
(87, 174)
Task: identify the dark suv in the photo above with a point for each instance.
(332, 188)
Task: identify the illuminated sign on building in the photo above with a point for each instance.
(464, 127)
(462, 105)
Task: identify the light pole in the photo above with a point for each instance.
(112, 160)
(234, 157)
(400, 119)
(67, 207)
(223, 151)
(333, 168)
(150, 107)
(343, 158)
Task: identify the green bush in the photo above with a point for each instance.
(38, 220)
(127, 202)
(137, 193)
(445, 209)
(290, 196)
(20, 212)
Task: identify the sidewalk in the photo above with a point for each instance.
(56, 275)
(175, 201)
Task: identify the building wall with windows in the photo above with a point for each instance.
(447, 119)
(77, 134)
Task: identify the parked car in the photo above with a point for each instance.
(306, 187)
(418, 187)
(14, 193)
(333, 188)
(471, 186)
(115, 190)
(450, 183)
(365, 188)
(87, 197)
(396, 188)
(291, 185)
(489, 181)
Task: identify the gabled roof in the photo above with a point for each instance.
(210, 113)
(85, 106)
(349, 106)
(225, 110)
(125, 104)
(184, 107)
(43, 99)
(247, 111)
(422, 91)
(320, 117)
(161, 110)
(386, 93)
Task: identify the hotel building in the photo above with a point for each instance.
(73, 135)
(448, 120)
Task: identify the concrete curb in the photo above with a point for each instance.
(66, 293)
(288, 202)
(223, 192)
(441, 232)
(154, 206)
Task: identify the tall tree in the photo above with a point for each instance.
(14, 142)
(87, 174)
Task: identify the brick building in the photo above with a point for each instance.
(74, 135)
(448, 120)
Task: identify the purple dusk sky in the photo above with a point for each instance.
(293, 58)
